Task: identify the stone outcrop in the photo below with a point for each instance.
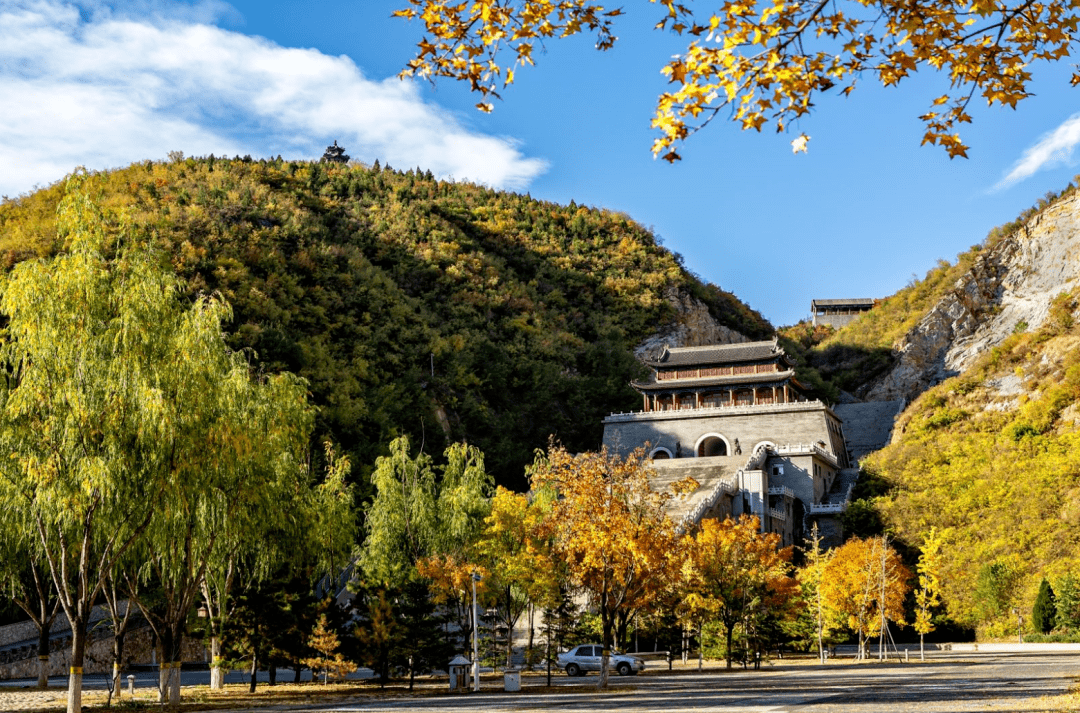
(1008, 287)
(693, 327)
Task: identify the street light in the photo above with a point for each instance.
(475, 639)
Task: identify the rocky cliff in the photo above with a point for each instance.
(1008, 288)
(693, 326)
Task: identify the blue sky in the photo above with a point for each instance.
(864, 210)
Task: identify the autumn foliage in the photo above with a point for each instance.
(860, 581)
(765, 63)
(611, 530)
(738, 575)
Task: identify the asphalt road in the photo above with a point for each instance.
(996, 682)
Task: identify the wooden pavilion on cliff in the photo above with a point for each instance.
(718, 376)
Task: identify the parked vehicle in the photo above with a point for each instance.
(587, 657)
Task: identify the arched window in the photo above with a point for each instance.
(660, 453)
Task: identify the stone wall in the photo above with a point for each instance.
(137, 650)
(780, 424)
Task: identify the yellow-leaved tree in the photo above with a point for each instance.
(856, 587)
(928, 594)
(762, 63)
(737, 575)
(610, 529)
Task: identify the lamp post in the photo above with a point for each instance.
(475, 637)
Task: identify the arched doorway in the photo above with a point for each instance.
(711, 444)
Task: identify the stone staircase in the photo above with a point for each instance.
(868, 426)
(713, 474)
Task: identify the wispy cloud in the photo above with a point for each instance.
(85, 85)
(1054, 148)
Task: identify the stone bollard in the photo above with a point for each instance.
(905, 655)
(131, 684)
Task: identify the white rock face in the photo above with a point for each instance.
(694, 327)
(1010, 284)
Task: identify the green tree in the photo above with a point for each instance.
(25, 577)
(419, 512)
(292, 528)
(996, 588)
(416, 514)
(1068, 602)
(1044, 611)
(87, 335)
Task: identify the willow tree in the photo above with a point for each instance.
(24, 576)
(292, 521)
(123, 415)
(422, 514)
(231, 458)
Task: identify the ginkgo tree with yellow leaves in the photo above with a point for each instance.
(864, 583)
(765, 63)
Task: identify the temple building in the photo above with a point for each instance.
(334, 154)
(839, 313)
(735, 418)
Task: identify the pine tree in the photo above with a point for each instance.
(1044, 612)
(327, 658)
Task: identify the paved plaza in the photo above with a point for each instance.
(1035, 682)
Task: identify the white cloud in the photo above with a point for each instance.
(1054, 148)
(83, 85)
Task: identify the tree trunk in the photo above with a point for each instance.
(217, 674)
(700, 650)
(729, 630)
(509, 628)
(78, 651)
(608, 625)
(529, 645)
(271, 672)
(254, 664)
(922, 656)
(43, 657)
(118, 658)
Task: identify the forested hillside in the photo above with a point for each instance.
(437, 309)
(990, 457)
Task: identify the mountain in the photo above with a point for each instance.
(986, 352)
(443, 310)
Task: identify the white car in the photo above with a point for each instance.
(587, 657)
